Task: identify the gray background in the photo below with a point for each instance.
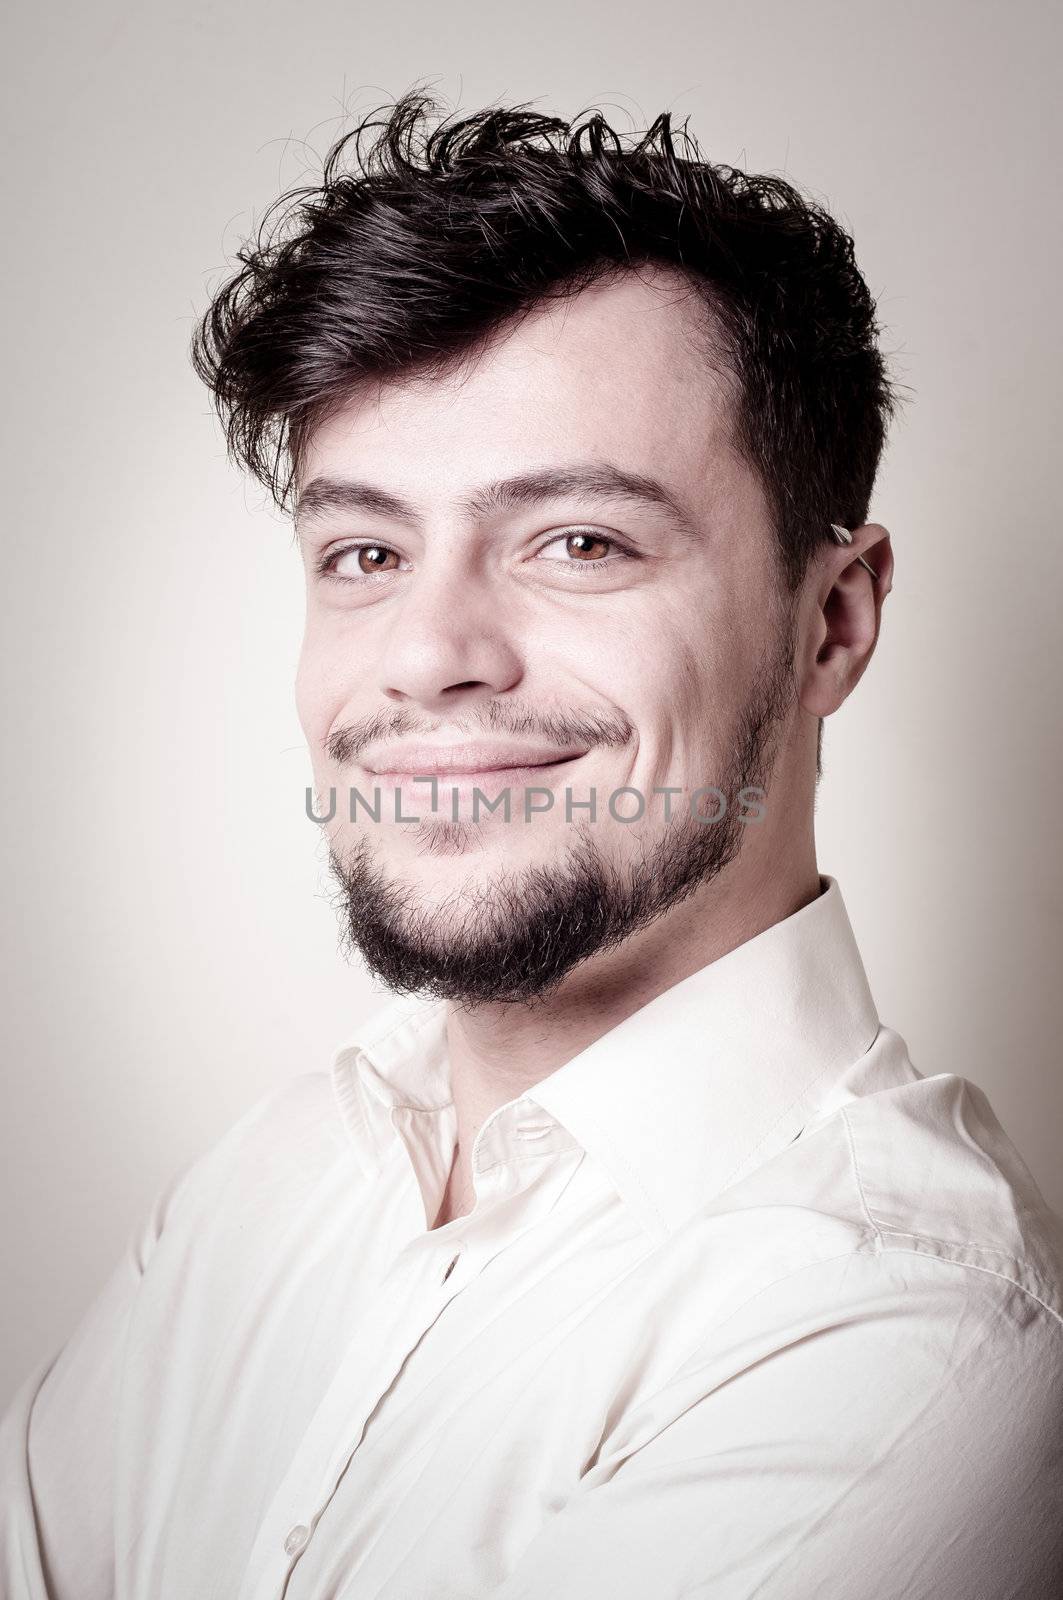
(169, 948)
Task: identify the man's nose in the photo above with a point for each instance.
(449, 634)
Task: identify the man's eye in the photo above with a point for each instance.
(355, 562)
(583, 548)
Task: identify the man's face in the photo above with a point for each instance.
(469, 618)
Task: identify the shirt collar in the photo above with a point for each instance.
(687, 1095)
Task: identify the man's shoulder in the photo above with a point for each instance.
(900, 1231)
(278, 1146)
(297, 1117)
(935, 1174)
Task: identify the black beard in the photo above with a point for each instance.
(525, 931)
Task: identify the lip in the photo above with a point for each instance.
(453, 790)
(465, 761)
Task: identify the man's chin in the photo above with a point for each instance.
(441, 837)
(444, 878)
(474, 927)
(512, 933)
(439, 850)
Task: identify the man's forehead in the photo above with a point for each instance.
(650, 305)
(620, 371)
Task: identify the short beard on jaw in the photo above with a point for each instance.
(525, 931)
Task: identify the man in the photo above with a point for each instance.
(625, 1253)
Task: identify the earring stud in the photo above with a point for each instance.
(843, 536)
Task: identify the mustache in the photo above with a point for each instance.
(610, 728)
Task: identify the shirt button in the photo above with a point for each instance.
(296, 1539)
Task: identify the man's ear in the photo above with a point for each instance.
(845, 612)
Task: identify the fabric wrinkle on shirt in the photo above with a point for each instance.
(745, 1307)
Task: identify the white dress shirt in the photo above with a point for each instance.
(746, 1307)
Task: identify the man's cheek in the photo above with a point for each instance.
(313, 706)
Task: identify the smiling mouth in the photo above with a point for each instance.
(465, 777)
(432, 791)
(475, 772)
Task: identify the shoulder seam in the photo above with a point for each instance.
(950, 1244)
(881, 1238)
(972, 1266)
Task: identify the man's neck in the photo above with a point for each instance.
(497, 1052)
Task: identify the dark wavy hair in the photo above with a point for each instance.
(427, 234)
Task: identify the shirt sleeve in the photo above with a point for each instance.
(57, 1444)
(886, 1426)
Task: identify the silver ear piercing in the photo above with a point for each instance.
(843, 536)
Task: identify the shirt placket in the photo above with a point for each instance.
(423, 1279)
(427, 1273)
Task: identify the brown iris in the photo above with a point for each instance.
(588, 544)
(373, 559)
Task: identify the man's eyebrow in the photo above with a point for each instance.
(345, 494)
(599, 481)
